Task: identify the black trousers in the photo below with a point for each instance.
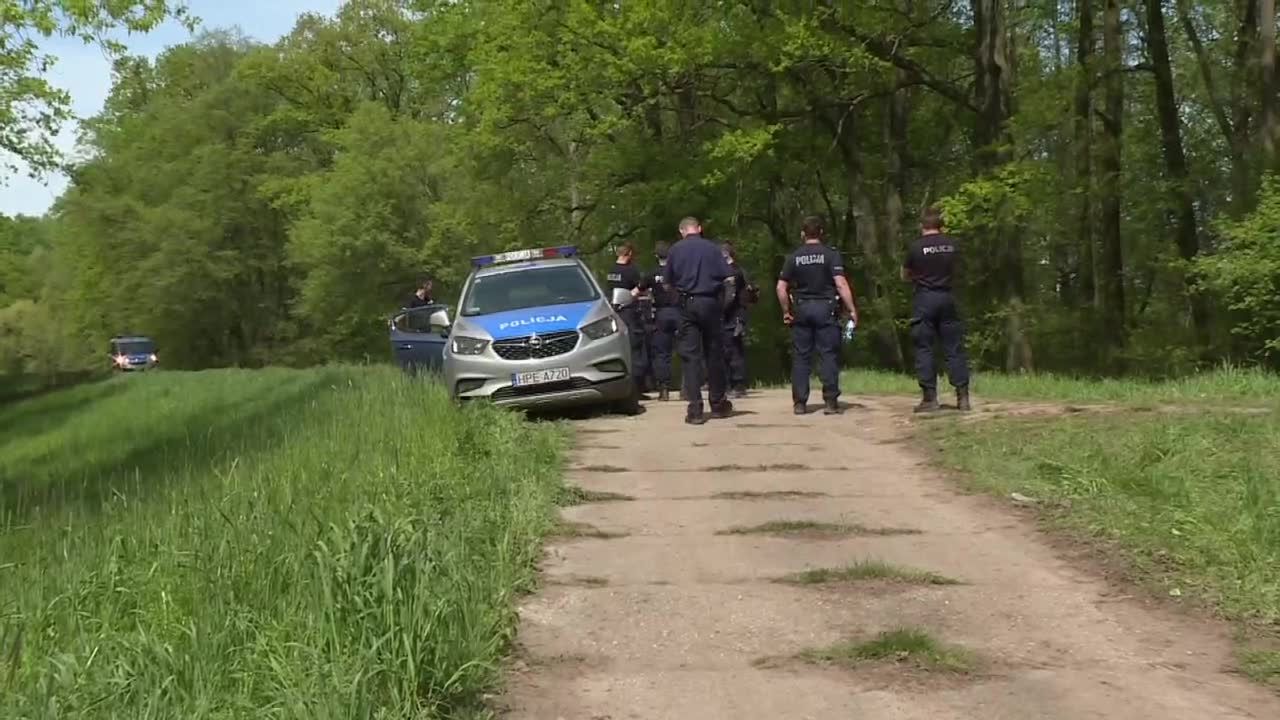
(735, 352)
(815, 328)
(639, 351)
(666, 327)
(935, 317)
(701, 348)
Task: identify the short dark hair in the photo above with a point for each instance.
(625, 248)
(424, 281)
(931, 218)
(813, 227)
(727, 248)
(661, 248)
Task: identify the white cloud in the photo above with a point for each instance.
(85, 72)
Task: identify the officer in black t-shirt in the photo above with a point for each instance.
(814, 276)
(625, 275)
(422, 296)
(931, 266)
(666, 323)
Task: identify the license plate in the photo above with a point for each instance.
(538, 377)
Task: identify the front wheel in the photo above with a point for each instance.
(630, 405)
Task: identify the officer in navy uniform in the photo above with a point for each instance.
(931, 266)
(666, 323)
(696, 270)
(814, 276)
(625, 275)
(735, 326)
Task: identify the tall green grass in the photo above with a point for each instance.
(338, 543)
(1224, 385)
(1192, 500)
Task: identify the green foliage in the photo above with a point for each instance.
(232, 544)
(367, 225)
(248, 204)
(32, 109)
(1245, 270)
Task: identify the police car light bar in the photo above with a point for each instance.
(529, 254)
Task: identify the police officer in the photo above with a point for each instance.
(696, 270)
(814, 276)
(930, 266)
(625, 275)
(735, 326)
(666, 312)
(422, 296)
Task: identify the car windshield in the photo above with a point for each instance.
(533, 287)
(138, 347)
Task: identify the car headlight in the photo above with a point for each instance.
(602, 328)
(463, 345)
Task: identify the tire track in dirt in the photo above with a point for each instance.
(672, 617)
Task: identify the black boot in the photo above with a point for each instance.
(722, 410)
(739, 392)
(832, 408)
(800, 409)
(962, 399)
(929, 403)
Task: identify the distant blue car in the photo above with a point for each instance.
(418, 336)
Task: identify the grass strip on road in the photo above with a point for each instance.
(911, 646)
(1191, 501)
(334, 543)
(865, 571)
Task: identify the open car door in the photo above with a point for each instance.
(418, 336)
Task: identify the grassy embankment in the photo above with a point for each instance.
(1181, 485)
(337, 543)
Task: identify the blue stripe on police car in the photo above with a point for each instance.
(552, 318)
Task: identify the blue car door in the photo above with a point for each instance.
(415, 343)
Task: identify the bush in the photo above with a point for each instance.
(1245, 271)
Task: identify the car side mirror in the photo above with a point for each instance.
(622, 297)
(440, 319)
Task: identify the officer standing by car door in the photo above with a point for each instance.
(625, 275)
(931, 266)
(735, 326)
(814, 277)
(697, 271)
(422, 296)
(666, 314)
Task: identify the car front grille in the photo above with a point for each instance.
(507, 393)
(526, 348)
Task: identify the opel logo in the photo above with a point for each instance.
(535, 341)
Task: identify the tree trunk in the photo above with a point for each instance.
(994, 100)
(1185, 233)
(1270, 115)
(1084, 152)
(1112, 265)
(1234, 114)
(895, 135)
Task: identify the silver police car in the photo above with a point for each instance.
(535, 330)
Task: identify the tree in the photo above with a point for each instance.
(32, 110)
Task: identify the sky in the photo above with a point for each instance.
(85, 72)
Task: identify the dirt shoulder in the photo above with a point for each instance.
(670, 605)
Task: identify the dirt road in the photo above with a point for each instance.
(673, 618)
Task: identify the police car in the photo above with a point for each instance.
(535, 330)
(133, 353)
